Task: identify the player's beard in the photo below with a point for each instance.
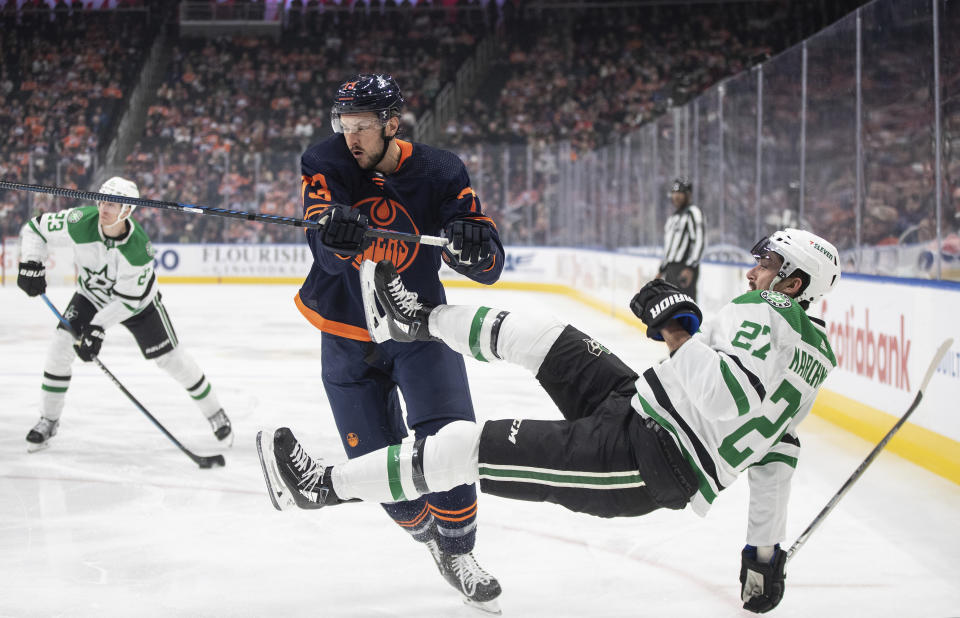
(383, 151)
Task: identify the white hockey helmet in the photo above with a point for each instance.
(123, 187)
(806, 252)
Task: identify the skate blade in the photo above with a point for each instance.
(488, 607)
(33, 447)
(377, 323)
(271, 475)
(227, 442)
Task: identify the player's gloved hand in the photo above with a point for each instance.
(91, 338)
(762, 582)
(32, 278)
(660, 301)
(343, 230)
(471, 246)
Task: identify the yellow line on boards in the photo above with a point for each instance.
(926, 448)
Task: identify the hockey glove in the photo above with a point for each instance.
(343, 230)
(88, 347)
(762, 583)
(471, 248)
(660, 301)
(32, 278)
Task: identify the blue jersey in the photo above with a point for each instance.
(429, 189)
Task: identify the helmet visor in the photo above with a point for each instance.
(761, 248)
(766, 254)
(356, 122)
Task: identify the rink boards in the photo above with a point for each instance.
(883, 330)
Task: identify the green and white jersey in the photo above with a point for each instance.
(732, 397)
(115, 274)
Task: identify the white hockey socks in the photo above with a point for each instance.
(56, 375)
(405, 471)
(491, 334)
(187, 373)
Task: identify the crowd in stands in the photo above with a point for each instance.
(571, 75)
(62, 87)
(227, 122)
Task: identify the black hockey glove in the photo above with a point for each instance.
(343, 230)
(471, 248)
(660, 301)
(89, 344)
(32, 278)
(762, 583)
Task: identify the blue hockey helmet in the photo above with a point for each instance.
(368, 92)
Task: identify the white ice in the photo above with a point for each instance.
(112, 520)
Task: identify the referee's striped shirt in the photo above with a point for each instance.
(683, 237)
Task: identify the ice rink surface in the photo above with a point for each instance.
(113, 520)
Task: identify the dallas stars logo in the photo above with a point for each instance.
(595, 347)
(777, 299)
(99, 283)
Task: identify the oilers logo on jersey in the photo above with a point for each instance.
(388, 214)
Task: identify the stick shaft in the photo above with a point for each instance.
(873, 454)
(195, 209)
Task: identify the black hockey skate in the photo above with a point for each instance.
(40, 435)
(480, 590)
(403, 317)
(220, 424)
(293, 478)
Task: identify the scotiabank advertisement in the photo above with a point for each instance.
(884, 335)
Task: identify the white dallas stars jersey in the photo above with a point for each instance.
(115, 274)
(733, 395)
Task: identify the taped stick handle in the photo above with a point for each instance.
(196, 209)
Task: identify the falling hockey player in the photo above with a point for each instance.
(116, 285)
(728, 400)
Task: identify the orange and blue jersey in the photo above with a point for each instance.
(429, 189)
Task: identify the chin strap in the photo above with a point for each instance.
(122, 219)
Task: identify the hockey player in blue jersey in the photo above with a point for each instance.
(364, 176)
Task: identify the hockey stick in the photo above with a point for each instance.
(194, 209)
(203, 462)
(873, 454)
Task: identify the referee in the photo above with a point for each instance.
(683, 240)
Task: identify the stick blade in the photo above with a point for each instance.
(213, 460)
(937, 357)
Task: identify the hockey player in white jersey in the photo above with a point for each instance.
(116, 285)
(728, 400)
